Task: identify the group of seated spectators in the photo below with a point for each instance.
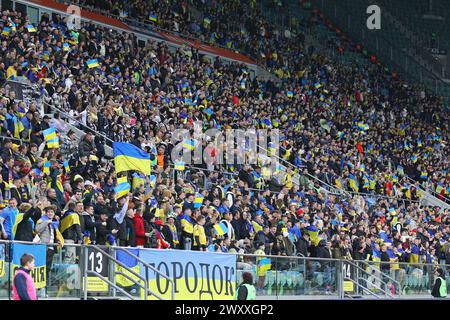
(357, 129)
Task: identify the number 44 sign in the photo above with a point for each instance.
(98, 263)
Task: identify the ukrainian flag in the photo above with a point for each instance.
(5, 31)
(363, 126)
(220, 229)
(66, 166)
(46, 166)
(179, 166)
(129, 157)
(152, 181)
(31, 28)
(66, 46)
(353, 183)
(68, 219)
(317, 85)
(313, 232)
(198, 200)
(153, 18)
(264, 264)
(138, 180)
(92, 63)
(53, 143)
(189, 144)
(49, 134)
(122, 189)
(290, 94)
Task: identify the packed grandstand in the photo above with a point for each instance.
(358, 145)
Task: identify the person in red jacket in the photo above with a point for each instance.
(139, 228)
(161, 242)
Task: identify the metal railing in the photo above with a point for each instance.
(288, 275)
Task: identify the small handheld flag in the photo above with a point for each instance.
(46, 167)
(31, 28)
(179, 166)
(49, 134)
(53, 143)
(66, 166)
(92, 63)
(198, 200)
(122, 188)
(220, 229)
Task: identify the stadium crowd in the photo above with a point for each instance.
(356, 128)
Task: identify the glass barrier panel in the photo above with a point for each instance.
(4, 270)
(64, 277)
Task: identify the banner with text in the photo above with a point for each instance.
(197, 275)
(39, 252)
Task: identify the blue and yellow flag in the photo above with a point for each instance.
(31, 28)
(122, 188)
(46, 166)
(353, 183)
(220, 229)
(68, 219)
(129, 157)
(189, 144)
(66, 166)
(198, 200)
(92, 63)
(138, 180)
(49, 134)
(179, 166)
(53, 143)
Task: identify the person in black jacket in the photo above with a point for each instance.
(131, 230)
(324, 253)
(89, 222)
(101, 228)
(303, 245)
(24, 231)
(262, 237)
(240, 232)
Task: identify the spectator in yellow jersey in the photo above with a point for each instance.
(200, 242)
